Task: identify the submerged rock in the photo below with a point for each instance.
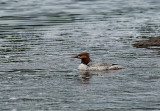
(152, 42)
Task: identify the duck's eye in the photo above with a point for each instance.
(79, 56)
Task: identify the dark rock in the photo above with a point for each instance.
(153, 41)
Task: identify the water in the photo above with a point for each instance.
(37, 39)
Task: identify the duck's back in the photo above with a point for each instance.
(104, 66)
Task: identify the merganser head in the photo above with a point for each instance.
(85, 59)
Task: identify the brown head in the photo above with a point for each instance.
(85, 59)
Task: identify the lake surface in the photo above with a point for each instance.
(37, 39)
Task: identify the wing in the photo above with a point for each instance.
(104, 66)
(101, 64)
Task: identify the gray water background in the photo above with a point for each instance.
(38, 37)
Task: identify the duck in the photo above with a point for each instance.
(86, 66)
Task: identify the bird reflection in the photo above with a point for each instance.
(85, 76)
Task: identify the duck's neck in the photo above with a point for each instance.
(85, 61)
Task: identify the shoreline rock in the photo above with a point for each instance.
(152, 42)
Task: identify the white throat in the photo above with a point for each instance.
(82, 67)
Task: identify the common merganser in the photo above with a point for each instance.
(85, 59)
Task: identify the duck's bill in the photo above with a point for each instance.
(74, 57)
